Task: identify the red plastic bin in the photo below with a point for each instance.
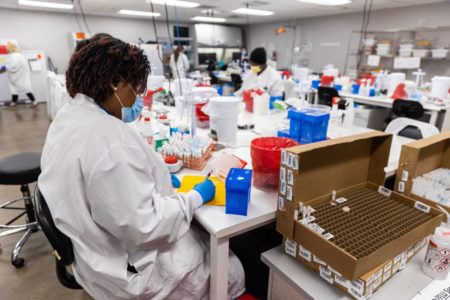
(266, 156)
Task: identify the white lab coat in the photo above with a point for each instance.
(182, 64)
(269, 79)
(18, 74)
(112, 196)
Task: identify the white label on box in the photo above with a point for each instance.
(326, 274)
(377, 283)
(334, 271)
(388, 266)
(384, 191)
(282, 174)
(369, 288)
(354, 293)
(422, 207)
(417, 246)
(316, 228)
(370, 280)
(404, 260)
(289, 193)
(341, 280)
(333, 195)
(304, 253)
(283, 188)
(341, 200)
(411, 252)
(369, 293)
(401, 186)
(291, 247)
(283, 156)
(328, 236)
(281, 203)
(386, 275)
(291, 160)
(378, 274)
(308, 220)
(405, 175)
(397, 258)
(290, 177)
(396, 267)
(319, 261)
(358, 286)
(295, 162)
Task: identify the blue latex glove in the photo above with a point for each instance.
(3, 69)
(175, 181)
(206, 189)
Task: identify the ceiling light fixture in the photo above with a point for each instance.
(208, 19)
(252, 11)
(139, 13)
(177, 3)
(45, 4)
(327, 2)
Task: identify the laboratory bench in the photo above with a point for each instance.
(383, 101)
(290, 279)
(263, 204)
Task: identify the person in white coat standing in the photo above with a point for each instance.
(111, 193)
(261, 76)
(179, 63)
(18, 75)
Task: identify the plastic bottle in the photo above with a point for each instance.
(437, 259)
(349, 114)
(147, 131)
(334, 115)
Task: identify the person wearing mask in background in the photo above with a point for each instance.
(131, 233)
(261, 75)
(179, 63)
(19, 74)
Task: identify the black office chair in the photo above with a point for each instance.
(408, 109)
(61, 243)
(21, 170)
(326, 95)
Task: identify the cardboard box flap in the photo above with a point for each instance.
(340, 163)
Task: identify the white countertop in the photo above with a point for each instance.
(385, 101)
(263, 204)
(402, 286)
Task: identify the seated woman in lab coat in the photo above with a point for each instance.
(111, 194)
(262, 75)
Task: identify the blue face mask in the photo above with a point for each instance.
(130, 114)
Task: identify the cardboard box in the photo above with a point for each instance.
(420, 157)
(364, 286)
(311, 173)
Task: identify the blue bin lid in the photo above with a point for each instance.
(239, 179)
(294, 114)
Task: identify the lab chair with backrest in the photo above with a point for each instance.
(407, 109)
(61, 243)
(21, 169)
(326, 95)
(412, 129)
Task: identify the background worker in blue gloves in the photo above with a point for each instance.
(122, 209)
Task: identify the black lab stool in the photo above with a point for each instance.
(20, 169)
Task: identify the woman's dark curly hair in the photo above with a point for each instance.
(100, 64)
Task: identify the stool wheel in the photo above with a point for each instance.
(18, 263)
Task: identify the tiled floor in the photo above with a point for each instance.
(23, 129)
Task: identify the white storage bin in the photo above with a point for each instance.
(439, 53)
(421, 52)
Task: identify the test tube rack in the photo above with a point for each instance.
(372, 221)
(195, 163)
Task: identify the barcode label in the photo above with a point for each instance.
(283, 156)
(422, 207)
(401, 186)
(282, 174)
(388, 266)
(386, 276)
(405, 175)
(384, 191)
(291, 247)
(289, 193)
(281, 203)
(290, 177)
(304, 253)
(328, 236)
(308, 220)
(378, 274)
(283, 188)
(295, 162)
(319, 261)
(341, 281)
(377, 283)
(326, 274)
(316, 228)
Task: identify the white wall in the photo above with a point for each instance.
(337, 29)
(50, 31)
